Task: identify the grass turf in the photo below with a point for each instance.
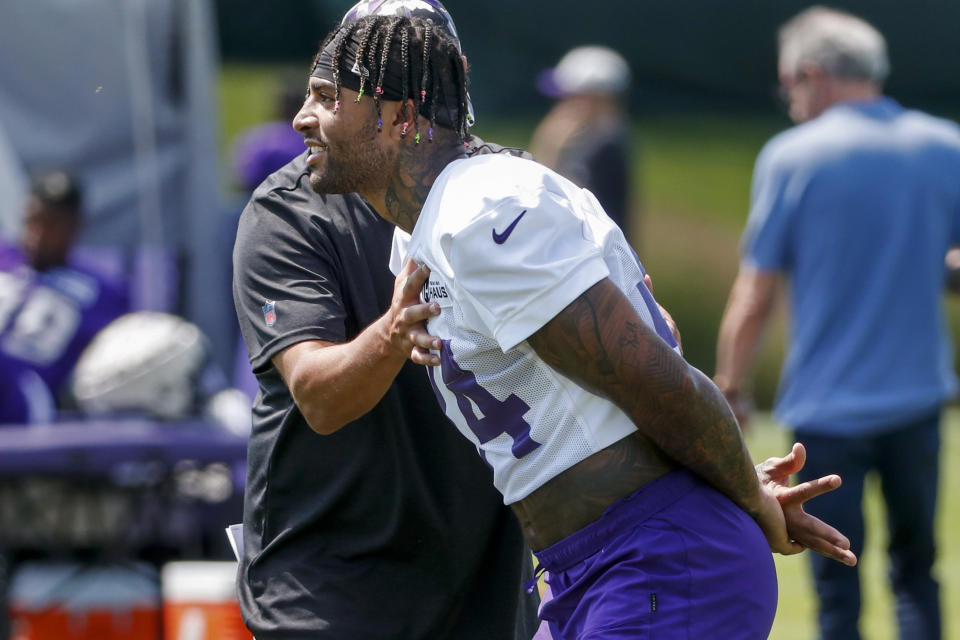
(797, 606)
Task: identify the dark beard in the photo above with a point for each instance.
(353, 167)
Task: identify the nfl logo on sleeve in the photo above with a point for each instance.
(269, 313)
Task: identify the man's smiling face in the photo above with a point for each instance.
(347, 152)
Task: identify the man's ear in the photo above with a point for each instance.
(466, 67)
(400, 126)
(813, 71)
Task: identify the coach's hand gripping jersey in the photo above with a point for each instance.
(510, 244)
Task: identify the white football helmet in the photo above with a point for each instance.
(143, 362)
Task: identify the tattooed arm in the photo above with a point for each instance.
(600, 342)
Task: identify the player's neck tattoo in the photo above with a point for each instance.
(414, 173)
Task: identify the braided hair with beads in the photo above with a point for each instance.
(409, 59)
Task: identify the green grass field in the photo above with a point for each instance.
(692, 186)
(796, 611)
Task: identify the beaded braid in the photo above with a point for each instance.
(316, 56)
(421, 97)
(460, 80)
(463, 124)
(361, 54)
(323, 45)
(384, 56)
(434, 98)
(372, 50)
(404, 57)
(343, 36)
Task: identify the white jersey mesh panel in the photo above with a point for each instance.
(529, 422)
(550, 413)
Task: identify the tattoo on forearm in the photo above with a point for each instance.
(598, 342)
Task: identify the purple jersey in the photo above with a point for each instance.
(48, 317)
(15, 400)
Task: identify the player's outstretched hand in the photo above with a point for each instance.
(803, 528)
(408, 330)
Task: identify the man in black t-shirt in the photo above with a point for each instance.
(388, 527)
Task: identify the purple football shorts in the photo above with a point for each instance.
(676, 559)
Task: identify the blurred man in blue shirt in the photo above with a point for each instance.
(856, 208)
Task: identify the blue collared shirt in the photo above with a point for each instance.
(858, 208)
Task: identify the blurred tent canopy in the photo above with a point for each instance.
(122, 94)
(686, 54)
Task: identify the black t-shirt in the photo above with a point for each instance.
(389, 527)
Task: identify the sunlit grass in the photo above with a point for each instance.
(797, 606)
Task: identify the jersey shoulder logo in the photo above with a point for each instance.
(269, 312)
(433, 290)
(500, 238)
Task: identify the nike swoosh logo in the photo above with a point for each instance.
(500, 238)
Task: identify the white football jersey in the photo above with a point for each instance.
(510, 243)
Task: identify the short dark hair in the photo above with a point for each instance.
(58, 189)
(423, 56)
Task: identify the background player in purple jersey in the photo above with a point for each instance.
(651, 532)
(50, 308)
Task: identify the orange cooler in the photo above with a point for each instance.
(200, 602)
(84, 602)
